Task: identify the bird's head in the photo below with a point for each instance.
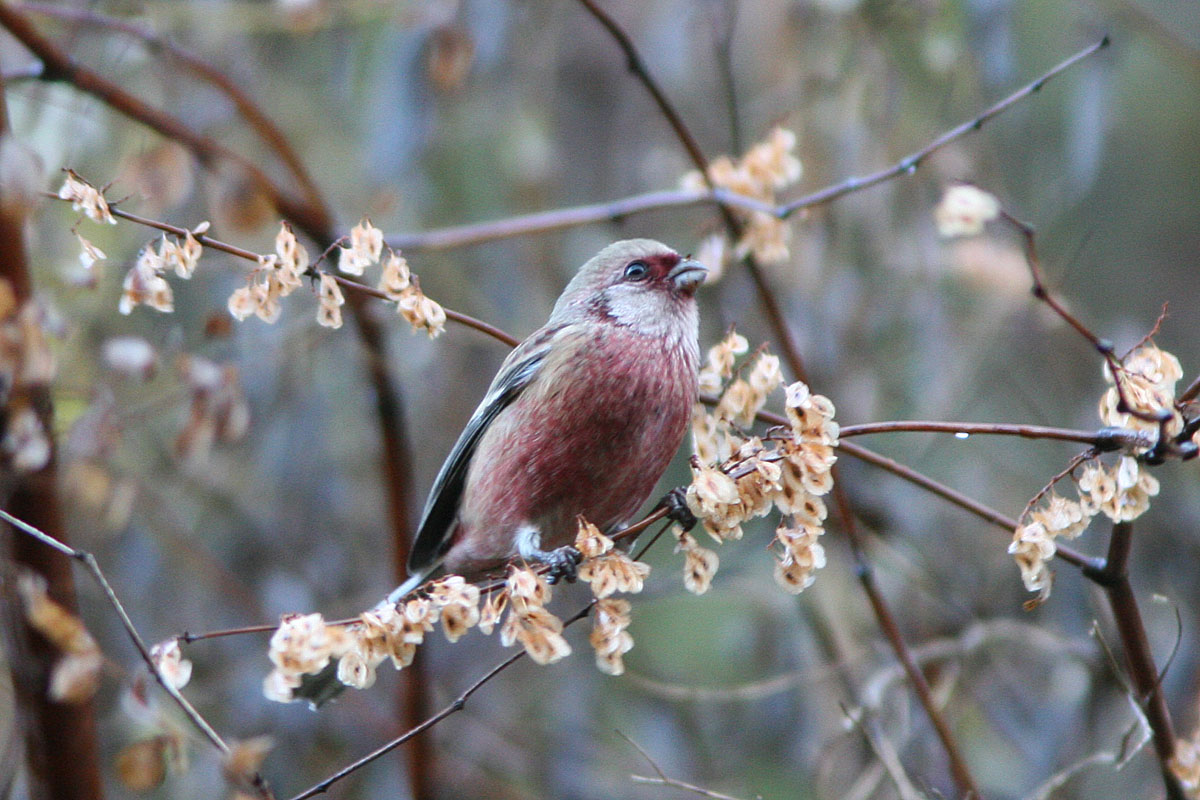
(640, 283)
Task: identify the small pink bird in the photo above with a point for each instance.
(582, 419)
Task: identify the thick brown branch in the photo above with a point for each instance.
(58, 66)
(60, 739)
(791, 353)
(1113, 577)
(255, 117)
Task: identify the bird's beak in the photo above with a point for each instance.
(687, 275)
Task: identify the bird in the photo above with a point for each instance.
(581, 420)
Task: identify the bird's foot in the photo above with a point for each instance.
(563, 561)
(564, 564)
(675, 502)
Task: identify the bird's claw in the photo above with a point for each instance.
(563, 563)
(675, 502)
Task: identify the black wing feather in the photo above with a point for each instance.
(441, 508)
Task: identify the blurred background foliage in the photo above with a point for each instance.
(427, 114)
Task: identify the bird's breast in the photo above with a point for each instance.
(591, 435)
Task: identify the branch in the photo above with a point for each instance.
(58, 66)
(570, 217)
(1105, 440)
(544, 221)
(663, 780)
(255, 117)
(352, 285)
(89, 563)
(1113, 577)
(791, 353)
(908, 165)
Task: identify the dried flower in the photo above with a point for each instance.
(1033, 547)
(1134, 488)
(366, 245)
(766, 168)
(145, 285)
(527, 588)
(293, 258)
(86, 198)
(590, 542)
(612, 572)
(421, 311)
(700, 564)
(329, 314)
(89, 254)
(538, 631)
(609, 638)
(458, 602)
(1148, 376)
(493, 608)
(171, 665)
(964, 210)
(396, 276)
(798, 555)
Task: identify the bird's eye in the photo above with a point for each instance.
(636, 270)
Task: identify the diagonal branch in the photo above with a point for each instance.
(540, 222)
(313, 218)
(778, 323)
(255, 117)
(89, 562)
(909, 164)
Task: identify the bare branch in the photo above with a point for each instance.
(1114, 578)
(908, 165)
(89, 562)
(663, 780)
(255, 117)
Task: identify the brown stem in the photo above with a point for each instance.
(778, 323)
(255, 117)
(60, 738)
(887, 623)
(1113, 576)
(308, 215)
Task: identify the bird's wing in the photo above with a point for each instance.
(437, 520)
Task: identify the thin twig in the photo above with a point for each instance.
(456, 705)
(89, 562)
(352, 285)
(909, 164)
(557, 219)
(664, 780)
(1107, 439)
(1054, 479)
(570, 217)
